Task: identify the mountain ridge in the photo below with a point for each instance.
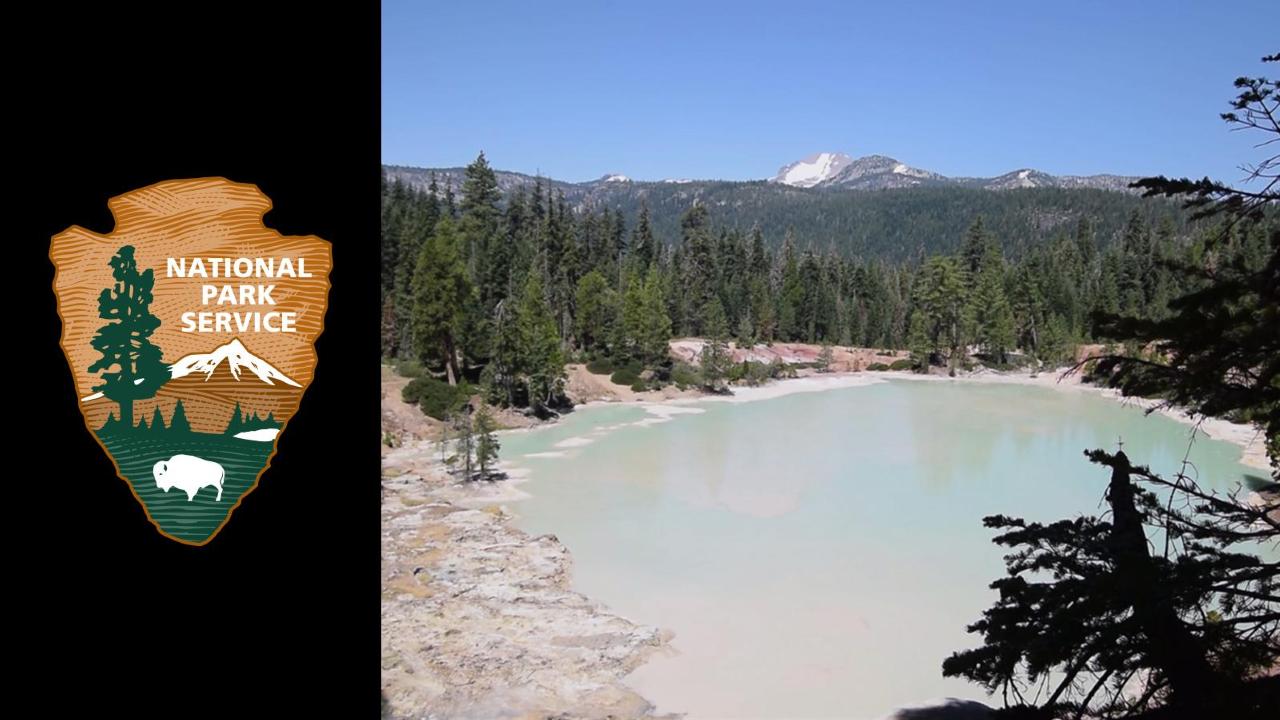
(882, 172)
(818, 171)
(890, 223)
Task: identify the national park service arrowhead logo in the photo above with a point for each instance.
(190, 330)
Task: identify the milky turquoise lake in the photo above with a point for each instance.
(819, 554)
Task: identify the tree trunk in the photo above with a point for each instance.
(126, 414)
(450, 360)
(1174, 650)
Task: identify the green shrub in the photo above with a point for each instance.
(413, 391)
(600, 366)
(639, 386)
(757, 373)
(623, 377)
(438, 399)
(900, 364)
(779, 369)
(409, 368)
(683, 374)
(881, 367)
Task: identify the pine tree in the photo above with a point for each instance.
(993, 317)
(920, 342)
(979, 249)
(479, 226)
(389, 241)
(760, 261)
(698, 273)
(643, 246)
(825, 357)
(541, 363)
(1028, 309)
(562, 257)
(157, 420)
(390, 336)
(646, 328)
(486, 441)
(715, 358)
(655, 325)
(941, 313)
(505, 360)
(464, 443)
(1136, 265)
(441, 293)
(418, 224)
(596, 305)
(125, 341)
(790, 293)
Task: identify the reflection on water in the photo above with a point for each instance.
(820, 554)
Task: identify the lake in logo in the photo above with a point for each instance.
(190, 331)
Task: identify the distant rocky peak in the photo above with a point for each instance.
(813, 170)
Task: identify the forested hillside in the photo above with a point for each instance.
(892, 224)
(503, 291)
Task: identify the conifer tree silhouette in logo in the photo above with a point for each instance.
(125, 341)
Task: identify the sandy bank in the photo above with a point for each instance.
(478, 618)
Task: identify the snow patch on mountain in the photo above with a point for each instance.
(813, 170)
(881, 172)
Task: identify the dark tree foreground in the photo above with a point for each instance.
(1162, 608)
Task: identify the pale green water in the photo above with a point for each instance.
(819, 554)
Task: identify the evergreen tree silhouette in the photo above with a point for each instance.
(157, 420)
(125, 341)
(236, 424)
(179, 423)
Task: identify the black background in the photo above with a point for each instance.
(280, 610)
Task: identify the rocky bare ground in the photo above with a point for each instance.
(478, 618)
(843, 359)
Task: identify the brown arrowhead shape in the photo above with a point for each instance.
(190, 332)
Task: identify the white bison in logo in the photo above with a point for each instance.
(189, 473)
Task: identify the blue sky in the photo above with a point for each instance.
(734, 90)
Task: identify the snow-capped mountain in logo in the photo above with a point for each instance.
(236, 356)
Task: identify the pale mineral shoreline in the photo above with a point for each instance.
(1249, 438)
(479, 619)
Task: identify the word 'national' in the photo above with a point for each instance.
(225, 267)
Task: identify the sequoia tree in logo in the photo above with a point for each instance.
(199, 344)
